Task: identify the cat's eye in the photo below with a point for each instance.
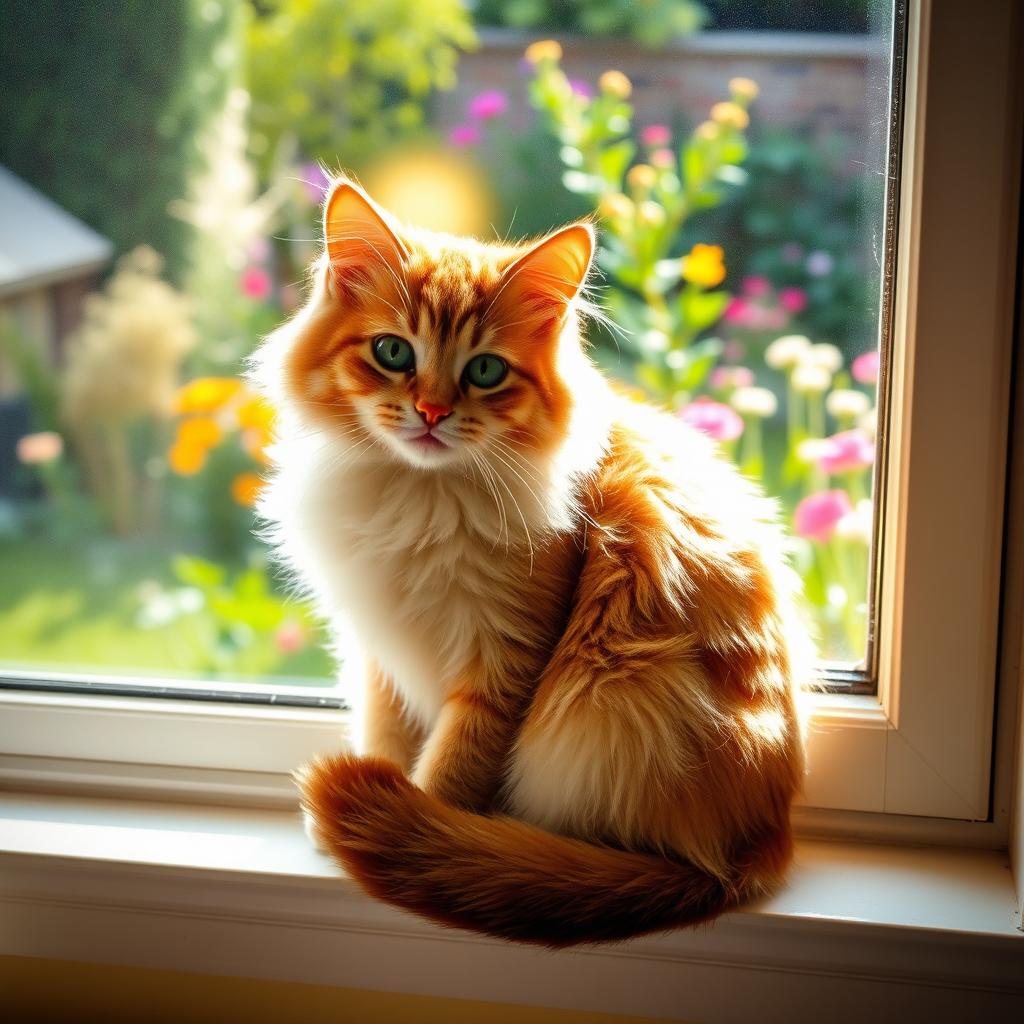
(486, 371)
(394, 353)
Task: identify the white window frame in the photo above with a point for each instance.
(913, 760)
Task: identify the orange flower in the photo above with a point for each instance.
(704, 265)
(255, 412)
(186, 459)
(206, 394)
(616, 84)
(245, 488)
(543, 50)
(199, 432)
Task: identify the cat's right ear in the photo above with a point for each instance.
(358, 233)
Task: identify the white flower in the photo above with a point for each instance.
(856, 525)
(810, 450)
(869, 422)
(824, 355)
(845, 403)
(786, 351)
(750, 401)
(809, 379)
(654, 340)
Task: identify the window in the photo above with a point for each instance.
(772, 235)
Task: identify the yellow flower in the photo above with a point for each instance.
(206, 394)
(615, 206)
(186, 459)
(255, 412)
(707, 131)
(245, 489)
(543, 50)
(616, 84)
(199, 432)
(744, 88)
(704, 265)
(730, 115)
(650, 213)
(642, 177)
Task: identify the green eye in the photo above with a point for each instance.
(486, 371)
(394, 353)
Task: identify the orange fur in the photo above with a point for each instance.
(579, 622)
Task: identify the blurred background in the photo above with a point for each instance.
(161, 172)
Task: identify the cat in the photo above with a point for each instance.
(576, 634)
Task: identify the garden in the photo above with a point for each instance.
(738, 276)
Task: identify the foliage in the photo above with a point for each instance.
(338, 81)
(650, 23)
(115, 156)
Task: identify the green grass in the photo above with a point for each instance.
(80, 608)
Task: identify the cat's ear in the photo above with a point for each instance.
(548, 277)
(358, 233)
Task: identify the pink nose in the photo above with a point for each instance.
(433, 414)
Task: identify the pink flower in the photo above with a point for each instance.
(736, 311)
(714, 419)
(465, 135)
(816, 516)
(662, 159)
(256, 283)
(851, 449)
(793, 299)
(485, 105)
(724, 378)
(314, 182)
(756, 285)
(34, 449)
(289, 637)
(581, 88)
(865, 367)
(656, 135)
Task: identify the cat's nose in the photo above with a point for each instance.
(433, 414)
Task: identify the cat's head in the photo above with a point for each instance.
(438, 349)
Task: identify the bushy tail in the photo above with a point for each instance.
(493, 874)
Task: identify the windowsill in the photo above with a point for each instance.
(240, 891)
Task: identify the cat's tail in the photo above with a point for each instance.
(500, 876)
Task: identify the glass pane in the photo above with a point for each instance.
(736, 157)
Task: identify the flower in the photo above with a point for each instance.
(663, 159)
(704, 265)
(793, 300)
(716, 420)
(186, 459)
(256, 283)
(810, 449)
(820, 263)
(656, 135)
(749, 401)
(707, 131)
(744, 88)
(543, 50)
(465, 135)
(206, 394)
(787, 351)
(856, 525)
(314, 182)
(616, 84)
(615, 205)
(724, 378)
(581, 88)
(817, 515)
(827, 356)
(35, 449)
(730, 115)
(641, 177)
(865, 367)
(199, 432)
(844, 403)
(846, 451)
(809, 379)
(290, 637)
(255, 412)
(245, 488)
(650, 213)
(488, 104)
(756, 285)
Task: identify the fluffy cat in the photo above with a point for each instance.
(574, 623)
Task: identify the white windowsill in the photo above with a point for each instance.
(240, 892)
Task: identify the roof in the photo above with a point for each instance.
(41, 244)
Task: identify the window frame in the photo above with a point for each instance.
(914, 759)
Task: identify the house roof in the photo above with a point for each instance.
(41, 244)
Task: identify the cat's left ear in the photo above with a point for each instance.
(548, 277)
(358, 233)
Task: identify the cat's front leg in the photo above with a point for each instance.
(387, 730)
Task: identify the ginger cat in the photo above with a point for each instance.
(574, 623)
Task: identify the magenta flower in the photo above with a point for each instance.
(756, 285)
(865, 367)
(485, 105)
(256, 283)
(716, 420)
(848, 450)
(581, 88)
(816, 516)
(793, 300)
(465, 135)
(314, 182)
(724, 378)
(656, 135)
(736, 311)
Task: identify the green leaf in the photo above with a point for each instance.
(197, 572)
(701, 309)
(614, 160)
